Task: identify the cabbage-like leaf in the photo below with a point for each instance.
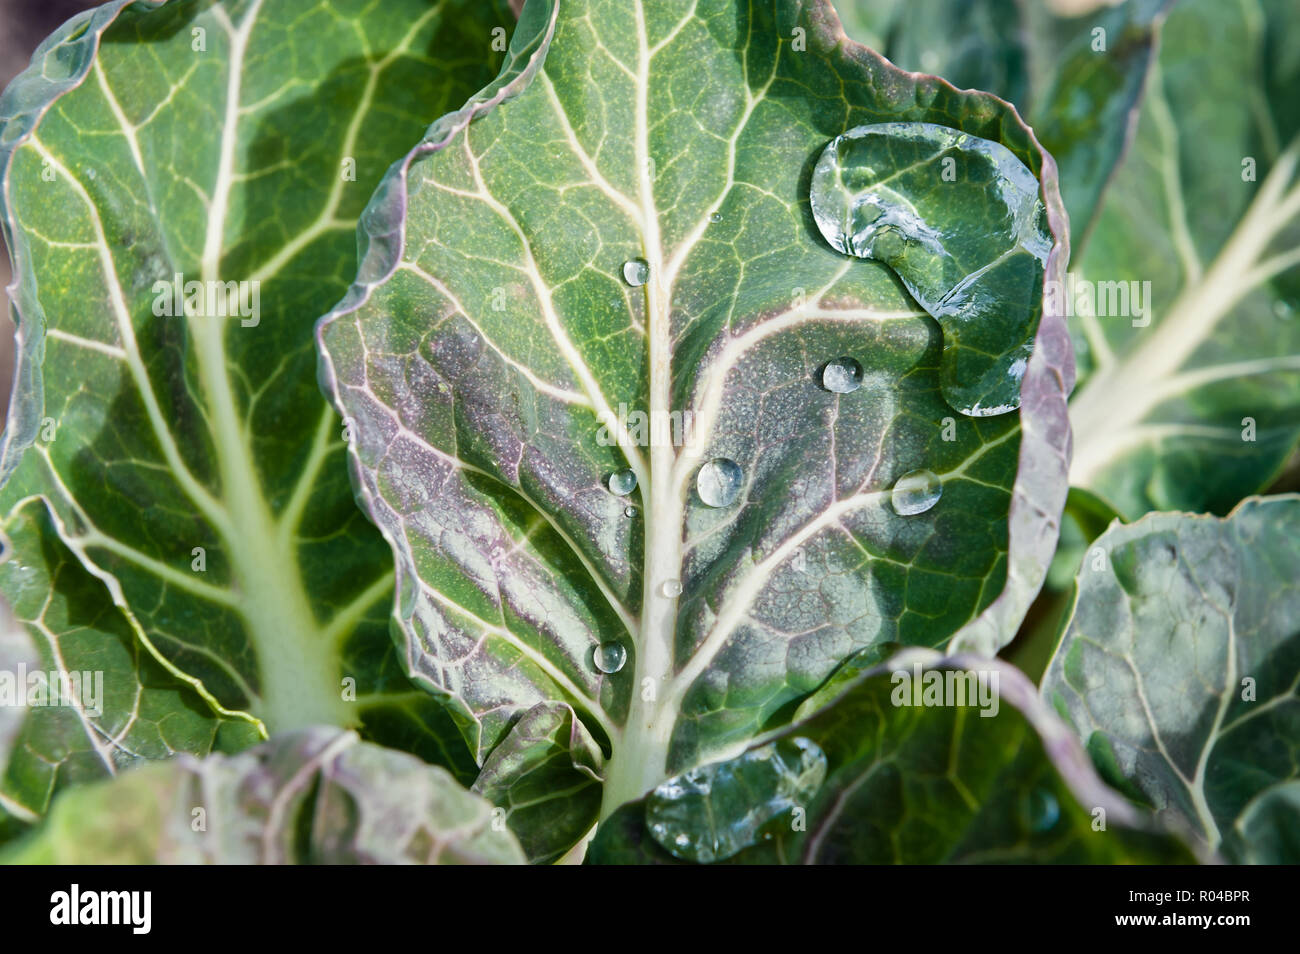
(1191, 342)
(593, 303)
(313, 796)
(101, 703)
(1180, 668)
(546, 777)
(882, 776)
(202, 544)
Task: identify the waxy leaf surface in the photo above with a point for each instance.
(200, 542)
(609, 247)
(989, 776)
(1180, 668)
(311, 796)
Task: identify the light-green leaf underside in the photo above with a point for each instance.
(1180, 668)
(313, 796)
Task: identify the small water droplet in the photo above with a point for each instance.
(610, 657)
(715, 218)
(636, 271)
(915, 492)
(842, 376)
(629, 511)
(621, 482)
(671, 588)
(1042, 810)
(718, 482)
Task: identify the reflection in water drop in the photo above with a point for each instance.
(718, 482)
(1042, 810)
(609, 657)
(915, 493)
(712, 812)
(636, 271)
(671, 588)
(629, 511)
(959, 220)
(842, 376)
(621, 482)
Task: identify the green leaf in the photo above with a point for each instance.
(618, 230)
(986, 776)
(189, 462)
(314, 796)
(546, 775)
(17, 655)
(122, 708)
(1193, 402)
(1180, 667)
(1076, 71)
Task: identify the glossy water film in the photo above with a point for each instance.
(712, 812)
(958, 218)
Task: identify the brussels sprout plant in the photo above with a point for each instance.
(653, 432)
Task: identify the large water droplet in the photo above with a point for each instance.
(1042, 810)
(610, 657)
(671, 588)
(842, 376)
(718, 482)
(959, 219)
(915, 493)
(636, 271)
(712, 812)
(621, 482)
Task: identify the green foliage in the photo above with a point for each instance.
(428, 447)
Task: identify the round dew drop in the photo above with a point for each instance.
(636, 272)
(915, 493)
(610, 657)
(671, 588)
(718, 482)
(842, 376)
(629, 511)
(621, 482)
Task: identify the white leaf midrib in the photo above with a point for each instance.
(1120, 395)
